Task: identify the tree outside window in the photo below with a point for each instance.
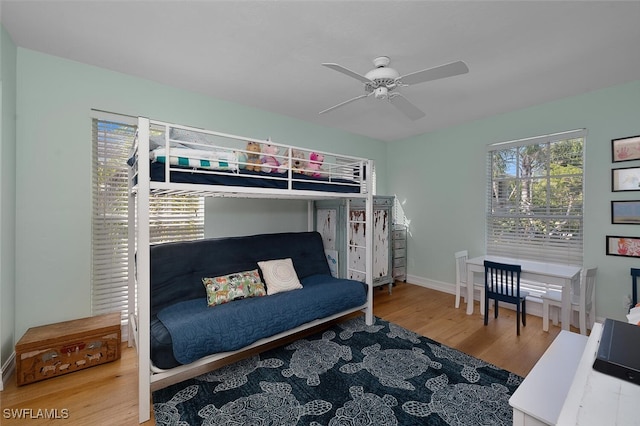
(536, 199)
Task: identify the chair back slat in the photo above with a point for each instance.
(461, 266)
(502, 278)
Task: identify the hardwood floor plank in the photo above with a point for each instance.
(433, 314)
(108, 393)
(100, 395)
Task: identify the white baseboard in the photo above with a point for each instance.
(534, 305)
(7, 370)
(432, 284)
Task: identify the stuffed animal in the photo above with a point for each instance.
(315, 164)
(298, 161)
(270, 163)
(253, 157)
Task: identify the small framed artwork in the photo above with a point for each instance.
(625, 179)
(623, 246)
(625, 149)
(625, 212)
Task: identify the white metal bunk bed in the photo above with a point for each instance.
(337, 169)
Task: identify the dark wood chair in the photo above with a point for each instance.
(502, 284)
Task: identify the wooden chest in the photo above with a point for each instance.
(61, 348)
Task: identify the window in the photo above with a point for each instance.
(171, 218)
(535, 198)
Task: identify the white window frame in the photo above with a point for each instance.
(526, 240)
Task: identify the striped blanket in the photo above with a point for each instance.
(197, 158)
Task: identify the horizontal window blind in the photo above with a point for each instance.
(171, 218)
(535, 198)
(111, 144)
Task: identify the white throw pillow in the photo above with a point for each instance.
(279, 275)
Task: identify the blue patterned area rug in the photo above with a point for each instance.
(351, 374)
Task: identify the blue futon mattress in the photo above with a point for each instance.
(194, 330)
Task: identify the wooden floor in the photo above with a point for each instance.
(107, 394)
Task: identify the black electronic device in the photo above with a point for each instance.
(619, 351)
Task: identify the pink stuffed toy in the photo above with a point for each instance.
(270, 163)
(315, 164)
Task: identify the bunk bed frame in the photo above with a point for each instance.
(141, 187)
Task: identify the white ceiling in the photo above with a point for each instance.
(267, 54)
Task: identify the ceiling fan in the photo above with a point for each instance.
(382, 82)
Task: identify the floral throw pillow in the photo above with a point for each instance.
(238, 285)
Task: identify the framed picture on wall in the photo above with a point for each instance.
(623, 246)
(625, 212)
(625, 179)
(625, 149)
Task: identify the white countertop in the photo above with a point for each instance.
(542, 393)
(599, 399)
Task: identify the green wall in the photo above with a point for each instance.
(440, 179)
(55, 96)
(7, 194)
(280, 215)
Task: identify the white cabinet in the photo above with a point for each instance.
(596, 398)
(540, 397)
(331, 220)
(564, 389)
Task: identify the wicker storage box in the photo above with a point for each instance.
(61, 348)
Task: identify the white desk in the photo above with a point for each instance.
(596, 399)
(540, 397)
(563, 388)
(551, 273)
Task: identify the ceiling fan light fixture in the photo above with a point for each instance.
(382, 74)
(381, 93)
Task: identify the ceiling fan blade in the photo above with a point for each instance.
(442, 71)
(406, 107)
(344, 103)
(348, 72)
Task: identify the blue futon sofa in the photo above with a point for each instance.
(184, 328)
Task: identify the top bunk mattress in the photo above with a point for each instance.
(253, 179)
(194, 156)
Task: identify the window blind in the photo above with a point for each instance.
(535, 198)
(172, 218)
